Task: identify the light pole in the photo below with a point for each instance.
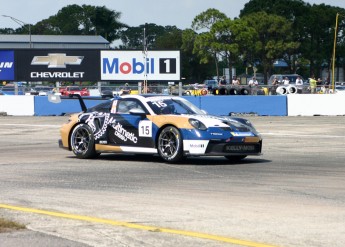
(22, 23)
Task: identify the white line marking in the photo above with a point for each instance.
(32, 125)
(319, 135)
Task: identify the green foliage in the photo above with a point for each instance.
(274, 38)
(82, 20)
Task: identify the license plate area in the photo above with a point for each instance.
(241, 148)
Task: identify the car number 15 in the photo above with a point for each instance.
(145, 128)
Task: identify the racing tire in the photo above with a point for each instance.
(83, 142)
(223, 91)
(170, 145)
(244, 91)
(233, 91)
(235, 157)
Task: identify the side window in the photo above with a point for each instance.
(124, 106)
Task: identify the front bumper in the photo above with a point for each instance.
(221, 148)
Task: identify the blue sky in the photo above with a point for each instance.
(134, 12)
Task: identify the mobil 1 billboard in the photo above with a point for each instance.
(136, 65)
(57, 65)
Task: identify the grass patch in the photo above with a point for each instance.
(7, 225)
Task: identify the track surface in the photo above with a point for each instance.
(293, 195)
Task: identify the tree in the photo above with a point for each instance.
(82, 20)
(133, 37)
(203, 42)
(274, 38)
(192, 68)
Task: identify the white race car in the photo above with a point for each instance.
(169, 126)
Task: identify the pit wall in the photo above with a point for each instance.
(282, 105)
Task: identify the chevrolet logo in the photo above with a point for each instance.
(57, 60)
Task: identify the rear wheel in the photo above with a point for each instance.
(235, 157)
(170, 146)
(83, 142)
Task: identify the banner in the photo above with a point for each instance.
(138, 65)
(57, 65)
(6, 65)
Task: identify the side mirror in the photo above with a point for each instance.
(137, 111)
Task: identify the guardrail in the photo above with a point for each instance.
(279, 105)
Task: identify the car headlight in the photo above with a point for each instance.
(197, 124)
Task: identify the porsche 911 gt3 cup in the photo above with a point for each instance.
(169, 126)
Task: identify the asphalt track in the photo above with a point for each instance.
(293, 195)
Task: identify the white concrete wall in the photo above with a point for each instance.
(316, 104)
(19, 105)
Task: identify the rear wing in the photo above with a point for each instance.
(57, 99)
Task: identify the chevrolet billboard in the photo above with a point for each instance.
(57, 65)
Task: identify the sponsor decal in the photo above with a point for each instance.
(239, 148)
(216, 134)
(6, 65)
(123, 134)
(90, 120)
(241, 133)
(195, 146)
(103, 142)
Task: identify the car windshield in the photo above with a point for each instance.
(173, 106)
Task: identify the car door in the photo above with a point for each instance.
(130, 129)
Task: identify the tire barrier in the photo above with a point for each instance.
(281, 90)
(244, 91)
(233, 91)
(292, 89)
(222, 91)
(203, 92)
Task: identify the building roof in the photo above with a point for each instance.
(43, 41)
(24, 38)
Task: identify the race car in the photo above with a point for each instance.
(168, 126)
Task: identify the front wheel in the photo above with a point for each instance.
(83, 142)
(235, 157)
(170, 146)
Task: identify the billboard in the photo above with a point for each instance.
(119, 65)
(6, 65)
(57, 65)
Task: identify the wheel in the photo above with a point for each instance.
(235, 157)
(170, 144)
(83, 142)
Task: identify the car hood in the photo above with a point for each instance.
(224, 122)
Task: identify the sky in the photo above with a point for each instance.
(134, 12)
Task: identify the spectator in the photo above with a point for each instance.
(286, 81)
(275, 84)
(327, 82)
(313, 84)
(253, 84)
(299, 84)
(235, 81)
(222, 82)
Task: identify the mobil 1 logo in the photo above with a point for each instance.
(167, 65)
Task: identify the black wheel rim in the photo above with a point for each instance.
(81, 140)
(169, 143)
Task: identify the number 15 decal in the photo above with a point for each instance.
(145, 128)
(167, 65)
